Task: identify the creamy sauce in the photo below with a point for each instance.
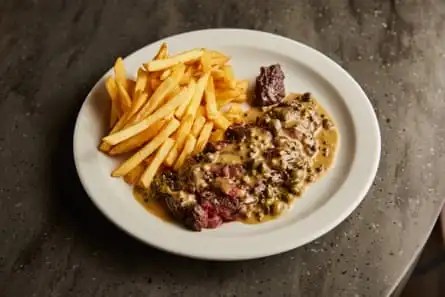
(327, 140)
(153, 206)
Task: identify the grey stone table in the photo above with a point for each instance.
(54, 242)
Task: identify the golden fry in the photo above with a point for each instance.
(150, 172)
(180, 136)
(155, 83)
(173, 93)
(203, 137)
(211, 106)
(221, 122)
(167, 86)
(242, 85)
(165, 74)
(141, 82)
(165, 110)
(139, 139)
(206, 62)
(114, 115)
(157, 98)
(240, 98)
(227, 94)
(147, 150)
(110, 85)
(120, 73)
(198, 124)
(185, 57)
(179, 113)
(131, 84)
(162, 53)
(229, 76)
(217, 135)
(217, 58)
(125, 99)
(188, 74)
(197, 96)
(186, 151)
(133, 176)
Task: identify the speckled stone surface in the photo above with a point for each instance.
(54, 242)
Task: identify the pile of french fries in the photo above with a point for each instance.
(170, 112)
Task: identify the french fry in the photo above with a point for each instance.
(219, 61)
(157, 98)
(120, 73)
(206, 62)
(167, 86)
(141, 82)
(229, 76)
(217, 135)
(211, 106)
(155, 83)
(201, 111)
(130, 86)
(180, 136)
(240, 98)
(125, 99)
(133, 176)
(227, 94)
(242, 85)
(218, 74)
(197, 96)
(197, 125)
(165, 74)
(221, 122)
(173, 93)
(186, 151)
(162, 53)
(165, 110)
(233, 117)
(217, 58)
(203, 137)
(110, 85)
(150, 172)
(147, 150)
(179, 113)
(140, 99)
(114, 115)
(185, 57)
(138, 140)
(188, 74)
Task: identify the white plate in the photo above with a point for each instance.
(325, 204)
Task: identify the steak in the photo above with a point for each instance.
(269, 87)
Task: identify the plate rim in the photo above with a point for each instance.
(292, 244)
